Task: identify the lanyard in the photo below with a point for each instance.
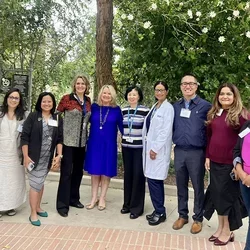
(130, 121)
(82, 104)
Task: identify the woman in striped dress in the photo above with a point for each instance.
(134, 180)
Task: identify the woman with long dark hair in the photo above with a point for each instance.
(12, 174)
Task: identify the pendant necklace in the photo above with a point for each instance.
(102, 122)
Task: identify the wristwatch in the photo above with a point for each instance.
(61, 156)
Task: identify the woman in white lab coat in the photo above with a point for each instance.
(157, 142)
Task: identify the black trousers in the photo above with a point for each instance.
(134, 180)
(70, 177)
(190, 163)
(156, 190)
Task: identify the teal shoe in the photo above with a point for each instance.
(42, 214)
(35, 222)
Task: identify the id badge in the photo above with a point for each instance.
(245, 132)
(52, 123)
(129, 140)
(185, 113)
(20, 128)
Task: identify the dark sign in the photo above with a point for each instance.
(17, 81)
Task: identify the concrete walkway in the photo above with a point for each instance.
(108, 229)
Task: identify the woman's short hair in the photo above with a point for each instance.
(85, 80)
(129, 89)
(20, 109)
(113, 95)
(39, 101)
(161, 83)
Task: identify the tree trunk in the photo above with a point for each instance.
(104, 45)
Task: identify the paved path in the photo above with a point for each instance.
(104, 230)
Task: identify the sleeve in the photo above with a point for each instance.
(60, 130)
(120, 120)
(27, 129)
(62, 104)
(209, 134)
(165, 133)
(237, 149)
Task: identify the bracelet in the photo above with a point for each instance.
(61, 156)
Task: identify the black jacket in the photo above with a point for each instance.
(238, 147)
(32, 136)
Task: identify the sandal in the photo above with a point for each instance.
(89, 206)
(11, 212)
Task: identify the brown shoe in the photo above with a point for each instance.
(178, 224)
(196, 227)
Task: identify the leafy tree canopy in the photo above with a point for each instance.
(163, 39)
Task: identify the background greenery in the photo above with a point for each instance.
(153, 40)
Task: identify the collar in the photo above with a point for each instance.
(195, 100)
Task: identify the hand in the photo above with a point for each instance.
(26, 161)
(56, 162)
(207, 164)
(237, 177)
(240, 172)
(152, 155)
(246, 181)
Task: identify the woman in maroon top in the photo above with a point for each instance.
(225, 120)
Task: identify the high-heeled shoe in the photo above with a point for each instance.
(212, 238)
(218, 242)
(89, 206)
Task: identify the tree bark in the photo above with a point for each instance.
(104, 44)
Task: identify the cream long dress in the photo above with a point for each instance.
(12, 174)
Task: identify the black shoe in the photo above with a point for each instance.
(125, 211)
(134, 216)
(76, 204)
(157, 219)
(63, 214)
(150, 216)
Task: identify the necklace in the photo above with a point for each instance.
(102, 122)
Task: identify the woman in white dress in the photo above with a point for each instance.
(12, 174)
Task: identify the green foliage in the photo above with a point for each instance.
(49, 37)
(162, 40)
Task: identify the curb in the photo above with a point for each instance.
(118, 184)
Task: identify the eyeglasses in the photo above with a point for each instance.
(159, 90)
(14, 98)
(191, 84)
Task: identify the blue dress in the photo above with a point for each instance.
(101, 155)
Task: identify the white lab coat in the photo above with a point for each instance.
(158, 139)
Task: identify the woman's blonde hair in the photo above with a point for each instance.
(85, 80)
(113, 95)
(235, 110)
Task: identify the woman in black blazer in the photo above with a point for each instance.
(242, 169)
(42, 133)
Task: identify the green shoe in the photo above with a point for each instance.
(42, 214)
(35, 222)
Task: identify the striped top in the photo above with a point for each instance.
(133, 119)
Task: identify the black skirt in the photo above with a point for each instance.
(223, 195)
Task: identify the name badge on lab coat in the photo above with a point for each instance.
(244, 132)
(185, 113)
(52, 123)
